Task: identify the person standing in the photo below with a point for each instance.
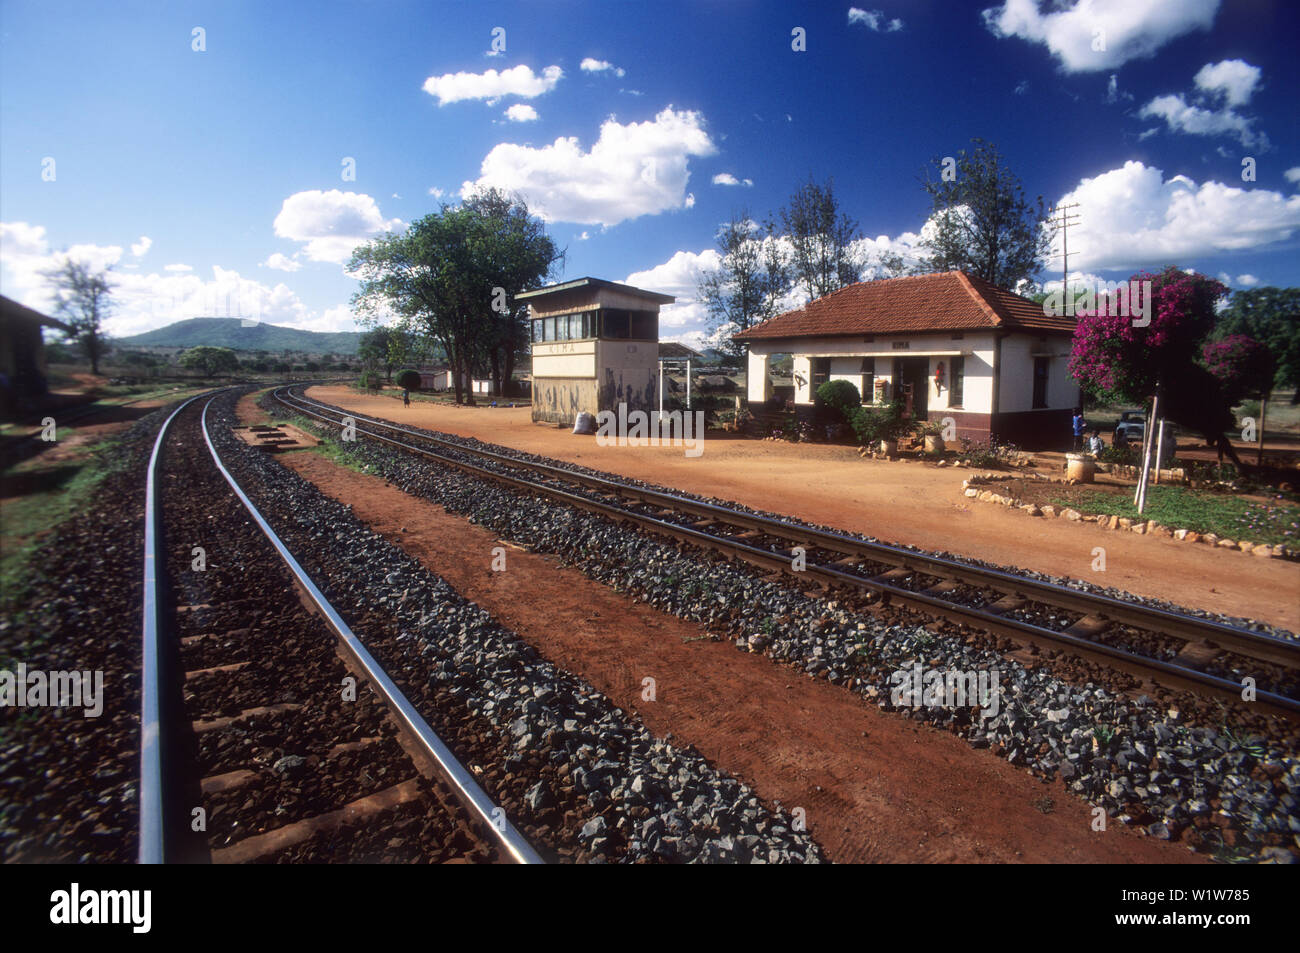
(406, 397)
(1079, 426)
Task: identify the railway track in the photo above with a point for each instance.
(269, 732)
(1180, 651)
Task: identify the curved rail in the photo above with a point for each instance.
(151, 794)
(491, 818)
(1254, 644)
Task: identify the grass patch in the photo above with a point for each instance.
(65, 491)
(1177, 507)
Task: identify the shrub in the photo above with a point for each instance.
(369, 380)
(872, 424)
(410, 380)
(839, 396)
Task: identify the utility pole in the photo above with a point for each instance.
(1067, 218)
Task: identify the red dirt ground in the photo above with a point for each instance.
(910, 503)
(875, 786)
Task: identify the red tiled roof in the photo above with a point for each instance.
(948, 301)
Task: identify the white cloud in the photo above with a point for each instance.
(492, 85)
(332, 223)
(1235, 80)
(1129, 29)
(1181, 116)
(591, 65)
(726, 178)
(282, 263)
(874, 20)
(436, 192)
(139, 248)
(679, 276)
(1247, 281)
(142, 302)
(632, 170)
(177, 267)
(521, 112)
(1133, 218)
(1292, 175)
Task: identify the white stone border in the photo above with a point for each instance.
(971, 488)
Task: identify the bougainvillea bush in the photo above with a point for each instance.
(1115, 360)
(1242, 366)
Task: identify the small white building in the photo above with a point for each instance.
(595, 345)
(947, 344)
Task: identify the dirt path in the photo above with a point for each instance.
(874, 786)
(900, 502)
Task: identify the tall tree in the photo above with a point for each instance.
(749, 282)
(451, 273)
(210, 361)
(822, 258)
(376, 350)
(1272, 317)
(514, 254)
(82, 298)
(1116, 360)
(981, 221)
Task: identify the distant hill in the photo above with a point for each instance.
(231, 333)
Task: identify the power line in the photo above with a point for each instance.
(1066, 220)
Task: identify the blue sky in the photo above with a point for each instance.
(216, 181)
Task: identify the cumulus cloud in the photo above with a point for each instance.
(1292, 174)
(632, 170)
(282, 263)
(1222, 86)
(177, 267)
(1100, 34)
(142, 302)
(1235, 80)
(679, 276)
(521, 112)
(331, 223)
(436, 192)
(139, 248)
(492, 85)
(1247, 281)
(591, 65)
(726, 178)
(874, 20)
(1132, 217)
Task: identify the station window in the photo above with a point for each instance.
(866, 390)
(956, 394)
(1040, 382)
(821, 372)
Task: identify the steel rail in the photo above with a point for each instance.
(1258, 645)
(782, 561)
(491, 817)
(151, 846)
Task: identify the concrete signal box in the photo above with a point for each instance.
(595, 345)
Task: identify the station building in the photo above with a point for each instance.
(595, 344)
(947, 345)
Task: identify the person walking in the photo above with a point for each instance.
(406, 397)
(1079, 426)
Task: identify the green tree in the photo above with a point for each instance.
(210, 361)
(382, 347)
(1272, 317)
(747, 286)
(821, 237)
(82, 298)
(453, 276)
(982, 222)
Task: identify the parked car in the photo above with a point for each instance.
(1130, 428)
